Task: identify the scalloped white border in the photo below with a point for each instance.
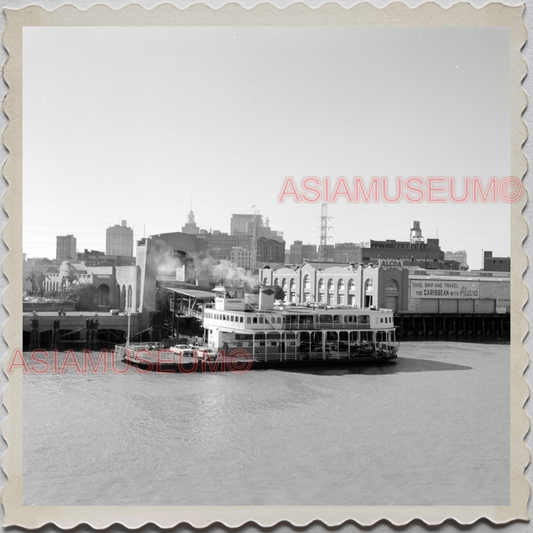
(396, 14)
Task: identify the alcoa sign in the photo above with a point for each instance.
(391, 263)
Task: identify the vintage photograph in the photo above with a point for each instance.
(266, 265)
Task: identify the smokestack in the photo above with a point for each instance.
(266, 297)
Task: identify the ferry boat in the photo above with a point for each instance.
(269, 334)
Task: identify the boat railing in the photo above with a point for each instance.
(330, 325)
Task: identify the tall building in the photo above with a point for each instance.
(244, 224)
(301, 253)
(241, 258)
(119, 240)
(65, 248)
(459, 256)
(190, 226)
(415, 252)
(347, 252)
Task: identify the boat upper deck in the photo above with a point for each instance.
(299, 318)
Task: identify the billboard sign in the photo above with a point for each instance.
(441, 289)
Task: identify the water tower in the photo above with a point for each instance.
(416, 233)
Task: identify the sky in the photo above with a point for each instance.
(133, 123)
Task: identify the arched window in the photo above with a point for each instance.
(103, 295)
(340, 285)
(284, 283)
(276, 282)
(321, 284)
(123, 297)
(351, 285)
(331, 285)
(129, 296)
(307, 281)
(369, 286)
(392, 288)
(265, 281)
(293, 284)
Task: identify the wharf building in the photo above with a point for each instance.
(116, 286)
(65, 248)
(119, 240)
(432, 304)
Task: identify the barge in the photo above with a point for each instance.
(256, 332)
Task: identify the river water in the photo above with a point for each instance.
(430, 429)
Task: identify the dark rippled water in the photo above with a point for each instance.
(430, 429)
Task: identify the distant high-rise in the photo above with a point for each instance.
(459, 256)
(190, 226)
(244, 223)
(119, 240)
(66, 248)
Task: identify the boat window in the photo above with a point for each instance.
(260, 320)
(255, 320)
(328, 319)
(241, 319)
(247, 319)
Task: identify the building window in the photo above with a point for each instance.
(321, 284)
(392, 288)
(351, 285)
(340, 285)
(307, 282)
(331, 285)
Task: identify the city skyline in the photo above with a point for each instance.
(227, 114)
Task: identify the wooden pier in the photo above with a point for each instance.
(456, 327)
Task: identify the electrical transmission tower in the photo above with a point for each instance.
(323, 252)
